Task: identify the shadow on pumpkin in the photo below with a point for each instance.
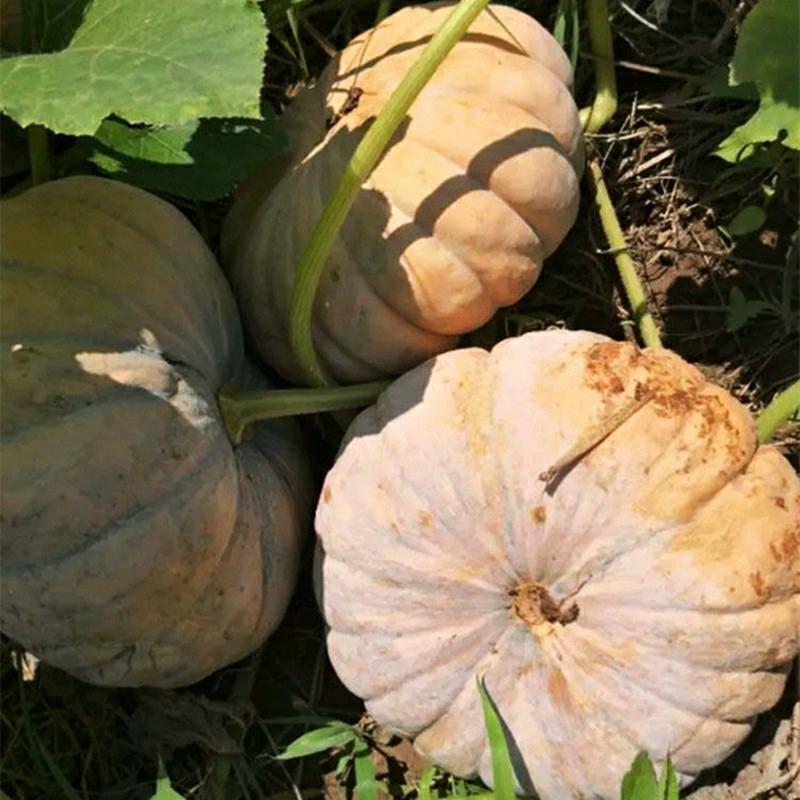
(365, 293)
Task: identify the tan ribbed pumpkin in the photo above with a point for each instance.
(138, 545)
(592, 529)
(475, 191)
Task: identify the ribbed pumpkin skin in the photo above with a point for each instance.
(669, 550)
(453, 223)
(139, 547)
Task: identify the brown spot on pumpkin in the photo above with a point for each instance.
(790, 544)
(425, 519)
(558, 690)
(780, 502)
(327, 494)
(757, 582)
(538, 515)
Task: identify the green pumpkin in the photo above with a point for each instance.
(140, 546)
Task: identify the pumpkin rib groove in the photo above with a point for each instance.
(385, 297)
(142, 234)
(382, 300)
(480, 598)
(466, 169)
(465, 172)
(154, 246)
(110, 528)
(571, 154)
(407, 262)
(477, 631)
(446, 242)
(600, 645)
(9, 439)
(466, 89)
(341, 349)
(92, 287)
(587, 678)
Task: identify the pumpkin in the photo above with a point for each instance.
(139, 546)
(478, 187)
(590, 528)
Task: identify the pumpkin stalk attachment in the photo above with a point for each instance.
(241, 409)
(364, 159)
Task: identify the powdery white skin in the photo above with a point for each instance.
(671, 533)
(139, 547)
(494, 137)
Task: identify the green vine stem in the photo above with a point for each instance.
(594, 119)
(604, 106)
(39, 154)
(240, 409)
(780, 410)
(627, 269)
(366, 155)
(784, 405)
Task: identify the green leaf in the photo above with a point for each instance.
(200, 160)
(568, 20)
(366, 787)
(668, 788)
(767, 55)
(640, 781)
(741, 310)
(502, 770)
(426, 783)
(749, 220)
(333, 735)
(164, 790)
(157, 62)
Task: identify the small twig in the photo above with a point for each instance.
(646, 165)
(325, 44)
(779, 783)
(651, 70)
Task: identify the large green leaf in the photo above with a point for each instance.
(767, 55)
(148, 61)
(200, 160)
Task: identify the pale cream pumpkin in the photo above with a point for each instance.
(139, 546)
(477, 188)
(589, 527)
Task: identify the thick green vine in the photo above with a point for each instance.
(240, 409)
(780, 410)
(366, 155)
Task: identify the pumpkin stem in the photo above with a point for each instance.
(594, 119)
(364, 159)
(781, 408)
(240, 409)
(39, 154)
